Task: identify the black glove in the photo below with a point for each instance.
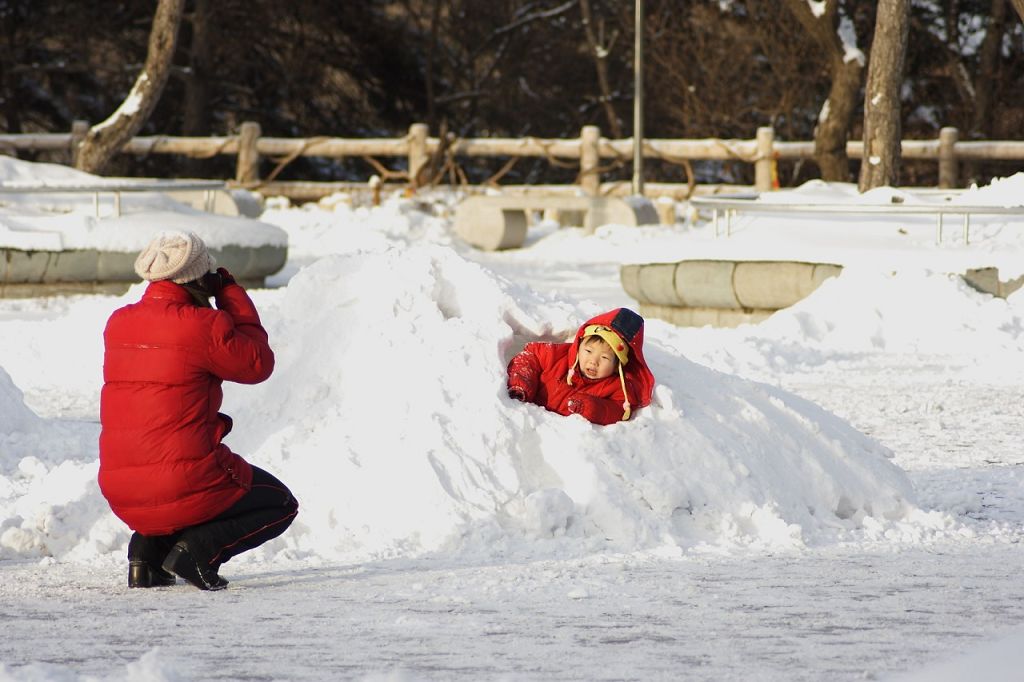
(226, 277)
(517, 393)
(211, 283)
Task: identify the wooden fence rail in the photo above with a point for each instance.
(585, 153)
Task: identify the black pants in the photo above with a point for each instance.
(262, 514)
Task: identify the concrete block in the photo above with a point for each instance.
(703, 317)
(772, 285)
(629, 276)
(35, 290)
(666, 208)
(116, 266)
(500, 222)
(565, 217)
(657, 285)
(251, 264)
(1010, 286)
(986, 280)
(631, 211)
(823, 271)
(24, 266)
(72, 266)
(489, 226)
(706, 284)
(42, 272)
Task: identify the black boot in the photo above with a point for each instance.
(183, 563)
(145, 553)
(141, 574)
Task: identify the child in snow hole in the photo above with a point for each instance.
(601, 375)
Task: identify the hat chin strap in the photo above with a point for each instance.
(626, 408)
(625, 396)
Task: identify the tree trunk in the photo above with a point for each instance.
(985, 83)
(833, 128)
(195, 120)
(600, 54)
(988, 65)
(880, 165)
(196, 117)
(1019, 6)
(106, 139)
(432, 47)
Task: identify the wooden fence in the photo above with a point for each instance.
(430, 159)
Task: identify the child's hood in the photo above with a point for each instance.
(630, 328)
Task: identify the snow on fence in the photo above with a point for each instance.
(431, 158)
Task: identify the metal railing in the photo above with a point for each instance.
(729, 205)
(114, 187)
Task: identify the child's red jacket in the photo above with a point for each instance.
(541, 374)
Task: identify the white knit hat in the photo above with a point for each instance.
(178, 256)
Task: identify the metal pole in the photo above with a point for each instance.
(638, 102)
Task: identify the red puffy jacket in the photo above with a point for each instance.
(162, 465)
(541, 372)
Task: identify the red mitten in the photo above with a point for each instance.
(523, 376)
(595, 410)
(582, 405)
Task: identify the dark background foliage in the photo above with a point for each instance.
(507, 68)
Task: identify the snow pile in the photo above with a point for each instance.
(387, 412)
(49, 501)
(387, 415)
(15, 418)
(866, 311)
(1000, 192)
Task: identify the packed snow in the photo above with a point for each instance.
(778, 512)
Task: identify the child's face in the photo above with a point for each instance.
(597, 360)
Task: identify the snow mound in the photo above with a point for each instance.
(50, 504)
(864, 311)
(387, 415)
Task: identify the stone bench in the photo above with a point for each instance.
(721, 292)
(492, 223)
(25, 273)
(724, 293)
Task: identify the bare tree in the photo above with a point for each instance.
(106, 138)
(846, 68)
(1019, 6)
(196, 116)
(600, 50)
(882, 115)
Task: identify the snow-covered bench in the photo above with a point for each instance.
(500, 222)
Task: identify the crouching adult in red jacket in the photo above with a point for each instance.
(191, 501)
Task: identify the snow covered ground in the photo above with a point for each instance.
(835, 493)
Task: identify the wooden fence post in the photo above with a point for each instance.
(248, 168)
(590, 160)
(764, 160)
(418, 156)
(79, 129)
(948, 170)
